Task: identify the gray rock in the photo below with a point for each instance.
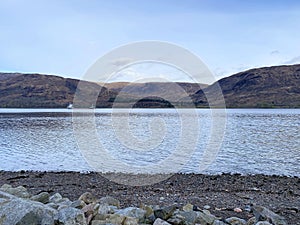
(42, 197)
(176, 220)
(132, 212)
(88, 198)
(251, 221)
(159, 221)
(19, 191)
(207, 207)
(106, 209)
(164, 213)
(71, 216)
(14, 210)
(56, 198)
(236, 221)
(115, 219)
(131, 221)
(78, 204)
(188, 207)
(263, 214)
(109, 201)
(189, 217)
(263, 223)
(218, 222)
(205, 217)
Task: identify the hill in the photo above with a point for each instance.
(276, 86)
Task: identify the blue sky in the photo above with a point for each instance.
(66, 37)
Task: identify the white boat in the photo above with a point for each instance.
(70, 106)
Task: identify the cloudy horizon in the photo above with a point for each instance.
(66, 37)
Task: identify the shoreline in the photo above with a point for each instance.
(222, 193)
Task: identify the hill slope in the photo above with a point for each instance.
(277, 86)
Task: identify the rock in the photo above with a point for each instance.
(19, 191)
(106, 209)
(133, 212)
(176, 220)
(164, 213)
(251, 221)
(236, 221)
(131, 221)
(261, 214)
(238, 210)
(42, 197)
(78, 204)
(205, 217)
(56, 198)
(109, 201)
(218, 222)
(115, 219)
(263, 223)
(71, 216)
(207, 207)
(149, 211)
(159, 221)
(14, 210)
(188, 207)
(88, 198)
(189, 217)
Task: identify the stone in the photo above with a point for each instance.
(188, 207)
(71, 216)
(251, 221)
(88, 198)
(42, 197)
(207, 207)
(19, 191)
(176, 220)
(78, 204)
(205, 218)
(164, 213)
(236, 221)
(219, 222)
(132, 212)
(263, 223)
(56, 198)
(106, 209)
(261, 214)
(131, 221)
(15, 210)
(238, 210)
(115, 219)
(159, 221)
(189, 217)
(109, 201)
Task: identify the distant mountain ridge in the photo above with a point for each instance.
(277, 86)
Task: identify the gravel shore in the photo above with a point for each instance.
(221, 193)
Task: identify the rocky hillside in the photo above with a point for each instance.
(36, 91)
(277, 86)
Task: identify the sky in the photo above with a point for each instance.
(65, 37)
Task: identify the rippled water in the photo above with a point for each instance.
(255, 141)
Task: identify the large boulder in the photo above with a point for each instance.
(17, 211)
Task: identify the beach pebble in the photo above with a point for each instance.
(206, 207)
(238, 210)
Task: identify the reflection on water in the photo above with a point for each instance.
(256, 140)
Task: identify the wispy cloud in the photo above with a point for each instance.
(294, 60)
